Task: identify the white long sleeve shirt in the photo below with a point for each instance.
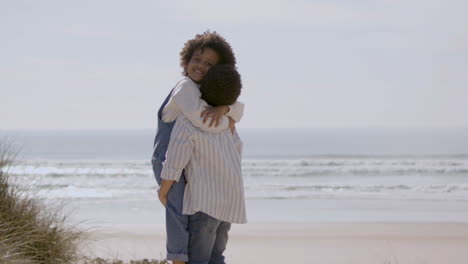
(212, 163)
(185, 99)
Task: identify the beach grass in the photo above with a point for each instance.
(108, 261)
(30, 231)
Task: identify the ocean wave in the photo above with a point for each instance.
(352, 172)
(392, 178)
(105, 189)
(256, 168)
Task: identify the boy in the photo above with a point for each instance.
(196, 58)
(214, 194)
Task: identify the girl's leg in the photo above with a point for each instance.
(177, 224)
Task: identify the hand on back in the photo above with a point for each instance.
(215, 114)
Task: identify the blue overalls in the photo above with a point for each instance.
(176, 222)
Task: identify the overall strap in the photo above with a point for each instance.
(164, 104)
(166, 100)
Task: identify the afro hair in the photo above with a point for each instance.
(210, 40)
(221, 85)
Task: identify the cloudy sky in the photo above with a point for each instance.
(109, 64)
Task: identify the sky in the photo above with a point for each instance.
(304, 64)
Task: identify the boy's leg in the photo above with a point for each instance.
(177, 223)
(219, 246)
(202, 229)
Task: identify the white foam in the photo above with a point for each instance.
(391, 177)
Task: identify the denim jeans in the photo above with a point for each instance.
(177, 223)
(208, 239)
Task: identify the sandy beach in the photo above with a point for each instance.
(293, 231)
(328, 243)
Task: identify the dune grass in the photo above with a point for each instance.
(31, 232)
(106, 261)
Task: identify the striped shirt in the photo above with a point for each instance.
(212, 163)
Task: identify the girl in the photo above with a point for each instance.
(196, 58)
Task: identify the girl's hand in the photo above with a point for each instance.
(215, 113)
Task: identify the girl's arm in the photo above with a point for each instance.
(187, 98)
(235, 111)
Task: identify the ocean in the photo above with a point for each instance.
(342, 168)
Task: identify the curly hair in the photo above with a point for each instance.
(210, 40)
(221, 85)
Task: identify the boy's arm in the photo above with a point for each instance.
(237, 141)
(166, 185)
(178, 156)
(187, 97)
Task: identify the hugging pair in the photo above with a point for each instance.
(198, 163)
